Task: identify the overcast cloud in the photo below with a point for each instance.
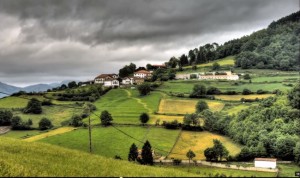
(48, 41)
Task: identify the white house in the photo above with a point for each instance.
(111, 83)
(218, 76)
(265, 163)
(182, 76)
(103, 77)
(127, 81)
(142, 74)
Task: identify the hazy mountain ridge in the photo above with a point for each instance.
(10, 89)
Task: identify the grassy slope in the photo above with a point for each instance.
(21, 159)
(109, 142)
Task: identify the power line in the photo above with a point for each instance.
(90, 140)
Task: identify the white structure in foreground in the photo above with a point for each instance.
(265, 163)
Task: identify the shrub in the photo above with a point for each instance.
(106, 118)
(177, 162)
(201, 106)
(144, 89)
(144, 118)
(18, 124)
(213, 91)
(5, 118)
(34, 106)
(45, 124)
(76, 121)
(246, 92)
(247, 77)
(47, 103)
(260, 91)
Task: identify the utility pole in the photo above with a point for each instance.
(90, 134)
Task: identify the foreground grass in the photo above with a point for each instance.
(199, 141)
(206, 171)
(107, 141)
(288, 170)
(21, 134)
(23, 159)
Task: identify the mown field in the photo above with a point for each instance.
(198, 142)
(187, 106)
(239, 97)
(23, 159)
(109, 142)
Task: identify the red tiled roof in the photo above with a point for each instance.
(265, 159)
(105, 75)
(143, 72)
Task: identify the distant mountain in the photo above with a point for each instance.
(10, 89)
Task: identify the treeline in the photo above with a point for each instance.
(271, 129)
(276, 47)
(92, 93)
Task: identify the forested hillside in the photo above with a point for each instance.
(276, 47)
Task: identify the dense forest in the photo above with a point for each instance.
(270, 129)
(276, 47)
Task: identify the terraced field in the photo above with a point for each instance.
(188, 106)
(239, 97)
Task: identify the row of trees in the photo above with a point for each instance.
(146, 156)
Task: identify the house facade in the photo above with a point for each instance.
(265, 163)
(111, 83)
(103, 77)
(132, 81)
(142, 74)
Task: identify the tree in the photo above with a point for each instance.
(18, 124)
(133, 153)
(213, 91)
(147, 156)
(201, 106)
(45, 124)
(106, 118)
(294, 97)
(210, 154)
(33, 106)
(246, 91)
(149, 67)
(72, 84)
(190, 154)
(76, 121)
(216, 66)
(297, 153)
(144, 118)
(219, 149)
(5, 118)
(183, 60)
(247, 77)
(198, 91)
(144, 89)
(191, 119)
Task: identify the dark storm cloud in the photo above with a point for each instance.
(54, 37)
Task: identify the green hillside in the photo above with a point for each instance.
(22, 159)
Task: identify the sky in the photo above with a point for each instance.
(54, 40)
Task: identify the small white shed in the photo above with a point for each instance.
(265, 163)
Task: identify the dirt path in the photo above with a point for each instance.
(4, 129)
(50, 133)
(140, 102)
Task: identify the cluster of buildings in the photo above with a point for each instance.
(113, 80)
(226, 75)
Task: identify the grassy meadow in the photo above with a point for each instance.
(23, 159)
(239, 97)
(108, 142)
(199, 141)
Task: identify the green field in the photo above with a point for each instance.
(109, 142)
(21, 134)
(206, 171)
(17, 102)
(186, 86)
(288, 170)
(126, 105)
(199, 141)
(225, 63)
(23, 159)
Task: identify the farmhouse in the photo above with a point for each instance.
(111, 83)
(142, 74)
(132, 81)
(265, 163)
(218, 76)
(103, 77)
